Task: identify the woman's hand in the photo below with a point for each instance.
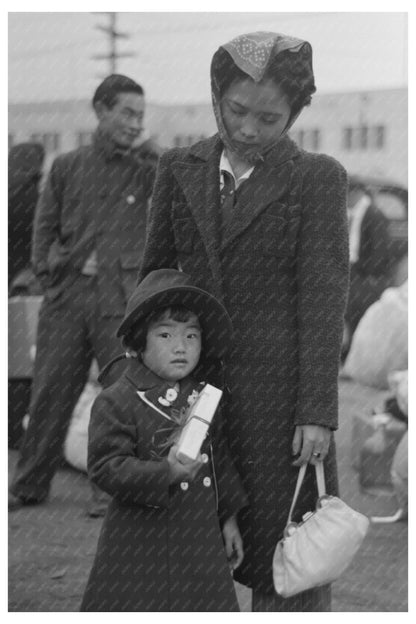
(312, 442)
(233, 542)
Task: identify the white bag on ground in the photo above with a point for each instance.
(380, 342)
(76, 442)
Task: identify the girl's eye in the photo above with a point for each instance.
(164, 335)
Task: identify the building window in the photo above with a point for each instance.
(84, 138)
(363, 138)
(379, 136)
(347, 139)
(315, 140)
(308, 139)
(50, 140)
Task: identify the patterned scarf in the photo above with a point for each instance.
(252, 54)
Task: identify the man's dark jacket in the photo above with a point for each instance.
(95, 199)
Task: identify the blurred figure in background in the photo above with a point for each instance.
(89, 235)
(25, 172)
(370, 264)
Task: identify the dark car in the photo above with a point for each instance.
(392, 199)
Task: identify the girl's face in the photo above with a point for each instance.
(254, 114)
(173, 347)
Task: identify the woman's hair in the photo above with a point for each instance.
(136, 337)
(291, 71)
(107, 92)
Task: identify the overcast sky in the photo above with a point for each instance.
(50, 54)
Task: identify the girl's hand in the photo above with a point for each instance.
(182, 472)
(233, 542)
(312, 442)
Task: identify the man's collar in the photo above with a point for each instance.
(104, 144)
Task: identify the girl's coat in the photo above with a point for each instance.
(160, 547)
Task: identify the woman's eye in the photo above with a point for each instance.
(236, 111)
(269, 121)
(164, 335)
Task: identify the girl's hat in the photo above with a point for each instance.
(168, 287)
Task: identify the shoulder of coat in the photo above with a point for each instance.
(118, 397)
(74, 157)
(314, 163)
(204, 149)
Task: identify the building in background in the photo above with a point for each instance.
(366, 131)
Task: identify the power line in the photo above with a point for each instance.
(113, 36)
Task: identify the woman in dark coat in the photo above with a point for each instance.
(274, 249)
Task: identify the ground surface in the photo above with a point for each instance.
(51, 547)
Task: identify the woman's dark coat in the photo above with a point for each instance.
(160, 547)
(281, 269)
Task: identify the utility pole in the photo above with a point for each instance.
(113, 35)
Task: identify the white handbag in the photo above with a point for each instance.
(320, 548)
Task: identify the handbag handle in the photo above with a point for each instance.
(320, 480)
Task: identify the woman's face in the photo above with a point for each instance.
(254, 114)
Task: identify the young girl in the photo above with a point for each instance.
(161, 548)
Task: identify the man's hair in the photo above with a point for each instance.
(137, 334)
(108, 91)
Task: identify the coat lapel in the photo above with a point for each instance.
(268, 183)
(200, 181)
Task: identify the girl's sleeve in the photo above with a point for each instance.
(112, 463)
(323, 276)
(160, 250)
(231, 493)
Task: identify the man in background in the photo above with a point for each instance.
(88, 240)
(370, 263)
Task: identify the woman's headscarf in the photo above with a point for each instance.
(252, 53)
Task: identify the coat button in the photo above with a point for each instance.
(184, 485)
(204, 458)
(130, 199)
(207, 481)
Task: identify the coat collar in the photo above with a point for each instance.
(144, 379)
(198, 176)
(268, 183)
(141, 376)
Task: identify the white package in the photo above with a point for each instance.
(196, 429)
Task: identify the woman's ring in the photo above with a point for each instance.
(316, 454)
